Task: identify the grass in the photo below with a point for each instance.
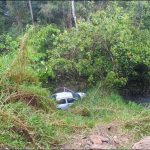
(24, 126)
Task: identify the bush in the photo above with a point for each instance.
(7, 44)
(19, 82)
(41, 41)
(107, 43)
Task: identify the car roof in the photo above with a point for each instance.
(63, 95)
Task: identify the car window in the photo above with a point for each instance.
(76, 96)
(70, 100)
(62, 101)
(53, 96)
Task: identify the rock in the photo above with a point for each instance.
(88, 143)
(3, 147)
(84, 137)
(96, 139)
(116, 140)
(142, 144)
(109, 128)
(104, 139)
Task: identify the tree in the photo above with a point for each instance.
(18, 13)
(56, 12)
(73, 14)
(31, 12)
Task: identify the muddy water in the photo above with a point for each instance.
(143, 100)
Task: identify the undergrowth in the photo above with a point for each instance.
(23, 126)
(132, 117)
(29, 119)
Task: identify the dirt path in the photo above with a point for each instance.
(107, 136)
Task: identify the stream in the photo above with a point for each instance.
(142, 100)
(137, 88)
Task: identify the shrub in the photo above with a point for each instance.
(7, 44)
(41, 41)
(107, 43)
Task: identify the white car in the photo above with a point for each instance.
(66, 97)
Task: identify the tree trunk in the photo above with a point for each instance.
(73, 14)
(31, 12)
(63, 11)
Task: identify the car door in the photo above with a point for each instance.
(62, 104)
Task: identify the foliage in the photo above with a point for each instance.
(42, 40)
(51, 13)
(17, 14)
(7, 44)
(112, 80)
(109, 42)
(19, 82)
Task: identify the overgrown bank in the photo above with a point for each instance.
(23, 126)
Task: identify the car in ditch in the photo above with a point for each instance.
(65, 97)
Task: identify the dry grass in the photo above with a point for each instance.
(28, 97)
(18, 126)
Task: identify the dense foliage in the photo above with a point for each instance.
(41, 41)
(108, 46)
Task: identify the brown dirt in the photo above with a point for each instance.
(142, 144)
(109, 136)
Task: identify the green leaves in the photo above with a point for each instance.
(7, 44)
(107, 43)
(41, 42)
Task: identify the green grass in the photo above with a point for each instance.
(47, 129)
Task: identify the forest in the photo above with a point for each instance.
(100, 47)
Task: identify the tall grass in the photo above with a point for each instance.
(49, 130)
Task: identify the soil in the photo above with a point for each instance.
(142, 144)
(107, 136)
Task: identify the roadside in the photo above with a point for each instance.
(107, 136)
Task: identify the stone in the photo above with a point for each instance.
(88, 143)
(142, 144)
(116, 140)
(84, 137)
(104, 139)
(95, 139)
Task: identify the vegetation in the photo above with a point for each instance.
(25, 126)
(41, 47)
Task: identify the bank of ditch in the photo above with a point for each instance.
(26, 126)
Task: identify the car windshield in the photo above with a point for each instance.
(61, 101)
(76, 96)
(53, 96)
